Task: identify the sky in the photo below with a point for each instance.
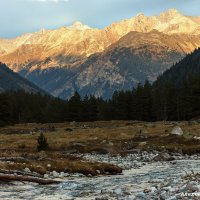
(21, 16)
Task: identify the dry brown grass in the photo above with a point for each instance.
(100, 137)
(45, 162)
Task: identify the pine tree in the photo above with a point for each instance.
(93, 110)
(75, 107)
(42, 143)
(146, 100)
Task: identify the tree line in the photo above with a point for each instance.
(160, 101)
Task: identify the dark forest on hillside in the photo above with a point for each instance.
(161, 101)
(174, 96)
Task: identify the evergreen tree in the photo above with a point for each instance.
(42, 143)
(75, 107)
(146, 102)
(5, 115)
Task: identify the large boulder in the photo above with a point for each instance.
(163, 157)
(177, 131)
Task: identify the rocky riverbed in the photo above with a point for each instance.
(145, 176)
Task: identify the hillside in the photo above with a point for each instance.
(180, 72)
(131, 60)
(161, 101)
(12, 81)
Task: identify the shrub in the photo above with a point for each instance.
(42, 143)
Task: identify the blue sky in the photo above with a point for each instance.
(21, 16)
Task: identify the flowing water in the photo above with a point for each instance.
(125, 186)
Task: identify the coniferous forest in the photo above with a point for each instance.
(174, 96)
(146, 103)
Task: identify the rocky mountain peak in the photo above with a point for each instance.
(69, 46)
(171, 13)
(140, 15)
(43, 31)
(79, 26)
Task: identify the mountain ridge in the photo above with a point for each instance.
(10, 81)
(181, 71)
(99, 61)
(121, 66)
(83, 42)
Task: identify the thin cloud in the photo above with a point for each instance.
(32, 15)
(52, 1)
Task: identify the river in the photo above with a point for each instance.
(129, 185)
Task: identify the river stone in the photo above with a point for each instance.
(66, 174)
(183, 188)
(61, 175)
(27, 170)
(195, 188)
(98, 171)
(118, 191)
(169, 188)
(163, 195)
(172, 198)
(55, 174)
(130, 197)
(177, 131)
(142, 143)
(163, 157)
(196, 138)
(153, 189)
(141, 195)
(110, 143)
(48, 165)
(46, 176)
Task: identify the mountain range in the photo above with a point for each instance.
(93, 61)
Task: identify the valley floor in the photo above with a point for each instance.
(102, 160)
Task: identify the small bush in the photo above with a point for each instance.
(42, 143)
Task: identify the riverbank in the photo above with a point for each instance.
(145, 180)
